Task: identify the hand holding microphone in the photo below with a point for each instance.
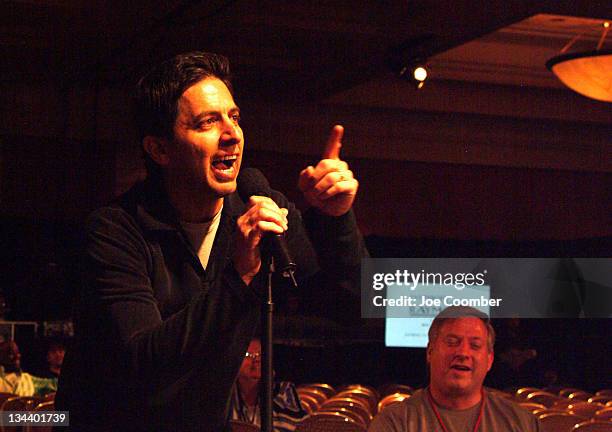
(263, 218)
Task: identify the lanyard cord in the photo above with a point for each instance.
(433, 406)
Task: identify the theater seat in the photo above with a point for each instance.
(603, 414)
(43, 406)
(329, 422)
(238, 426)
(593, 426)
(559, 422)
(585, 409)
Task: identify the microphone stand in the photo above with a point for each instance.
(267, 370)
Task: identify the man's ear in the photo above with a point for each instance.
(428, 352)
(156, 148)
(490, 359)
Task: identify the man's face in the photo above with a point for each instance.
(206, 152)
(459, 358)
(55, 356)
(251, 365)
(10, 357)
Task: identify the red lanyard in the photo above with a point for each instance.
(433, 406)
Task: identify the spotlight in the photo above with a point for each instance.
(415, 73)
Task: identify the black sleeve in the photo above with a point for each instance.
(320, 242)
(156, 352)
(338, 241)
(328, 252)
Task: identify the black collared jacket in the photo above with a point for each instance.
(159, 340)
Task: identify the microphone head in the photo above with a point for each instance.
(252, 182)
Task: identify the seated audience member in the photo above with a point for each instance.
(287, 410)
(517, 361)
(459, 355)
(14, 380)
(54, 359)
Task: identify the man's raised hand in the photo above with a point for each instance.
(330, 186)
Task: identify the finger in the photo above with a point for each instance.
(259, 229)
(324, 167)
(334, 142)
(265, 202)
(273, 214)
(306, 180)
(329, 165)
(348, 187)
(266, 227)
(331, 179)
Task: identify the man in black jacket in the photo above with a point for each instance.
(173, 269)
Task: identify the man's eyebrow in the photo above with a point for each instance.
(199, 117)
(453, 335)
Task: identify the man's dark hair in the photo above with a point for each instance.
(158, 91)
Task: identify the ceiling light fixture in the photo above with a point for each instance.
(416, 73)
(588, 73)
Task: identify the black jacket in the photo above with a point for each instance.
(159, 340)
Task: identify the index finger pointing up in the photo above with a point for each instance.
(334, 142)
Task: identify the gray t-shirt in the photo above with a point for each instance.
(416, 415)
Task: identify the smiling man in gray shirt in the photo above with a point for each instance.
(459, 355)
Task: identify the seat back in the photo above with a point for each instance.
(327, 389)
(602, 399)
(364, 394)
(391, 399)
(238, 426)
(565, 392)
(310, 393)
(585, 409)
(544, 398)
(351, 414)
(523, 392)
(558, 422)
(539, 412)
(579, 396)
(329, 422)
(19, 403)
(603, 414)
(43, 406)
(388, 389)
(531, 407)
(352, 405)
(594, 426)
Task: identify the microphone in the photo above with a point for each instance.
(252, 182)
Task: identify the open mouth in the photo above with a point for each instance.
(225, 162)
(461, 368)
(225, 166)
